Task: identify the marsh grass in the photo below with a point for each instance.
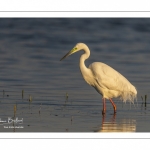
(67, 96)
(15, 110)
(30, 98)
(40, 108)
(144, 100)
(22, 94)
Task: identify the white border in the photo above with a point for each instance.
(74, 5)
(70, 135)
(115, 8)
(74, 14)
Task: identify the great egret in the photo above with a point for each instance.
(107, 81)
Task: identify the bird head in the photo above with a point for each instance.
(76, 48)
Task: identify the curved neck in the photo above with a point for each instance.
(83, 68)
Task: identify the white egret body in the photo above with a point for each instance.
(107, 81)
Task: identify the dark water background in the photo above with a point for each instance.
(30, 50)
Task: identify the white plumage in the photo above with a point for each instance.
(110, 83)
(106, 80)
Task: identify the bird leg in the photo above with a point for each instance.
(115, 108)
(104, 106)
(103, 121)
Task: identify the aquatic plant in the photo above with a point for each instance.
(144, 99)
(15, 109)
(67, 96)
(22, 93)
(30, 98)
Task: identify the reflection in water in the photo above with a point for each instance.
(124, 125)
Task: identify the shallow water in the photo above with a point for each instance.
(30, 50)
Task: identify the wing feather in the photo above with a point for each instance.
(109, 78)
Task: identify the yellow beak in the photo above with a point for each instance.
(69, 53)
